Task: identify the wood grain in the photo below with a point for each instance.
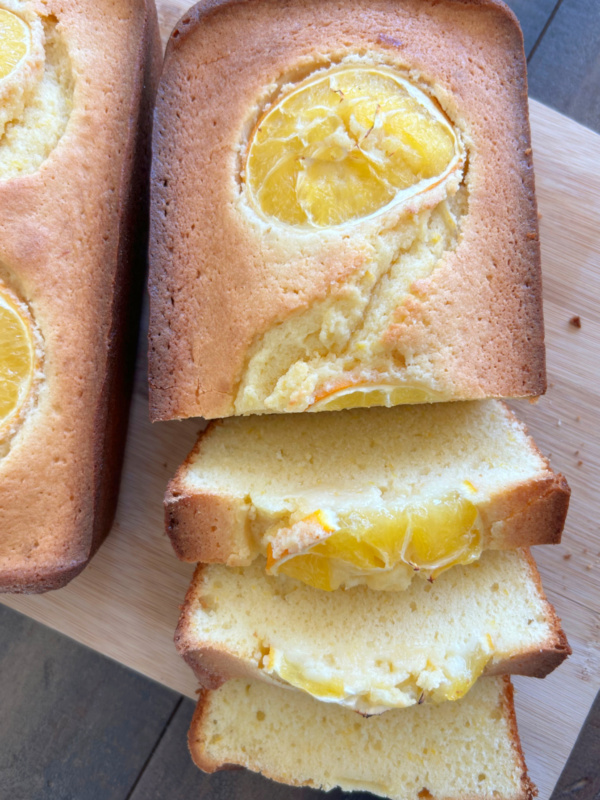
(126, 603)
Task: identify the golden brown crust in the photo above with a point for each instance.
(529, 514)
(508, 701)
(196, 738)
(486, 293)
(71, 244)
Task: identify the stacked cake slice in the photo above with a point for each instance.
(366, 561)
(467, 749)
(344, 221)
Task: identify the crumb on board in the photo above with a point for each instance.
(575, 321)
(567, 556)
(580, 463)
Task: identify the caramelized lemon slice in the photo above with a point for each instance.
(367, 547)
(346, 143)
(368, 396)
(15, 41)
(17, 357)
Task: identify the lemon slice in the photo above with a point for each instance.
(17, 357)
(15, 41)
(368, 396)
(368, 547)
(345, 144)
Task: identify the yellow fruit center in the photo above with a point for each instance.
(331, 688)
(427, 538)
(366, 397)
(455, 675)
(346, 143)
(14, 41)
(17, 358)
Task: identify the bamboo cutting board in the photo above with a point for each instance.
(126, 603)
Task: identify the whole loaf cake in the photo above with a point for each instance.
(345, 213)
(76, 91)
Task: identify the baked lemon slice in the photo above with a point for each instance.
(382, 548)
(368, 396)
(345, 144)
(15, 41)
(17, 357)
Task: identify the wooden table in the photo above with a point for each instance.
(78, 725)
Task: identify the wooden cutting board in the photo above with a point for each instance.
(126, 603)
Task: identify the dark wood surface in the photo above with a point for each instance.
(76, 726)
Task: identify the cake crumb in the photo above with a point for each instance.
(580, 463)
(575, 321)
(567, 556)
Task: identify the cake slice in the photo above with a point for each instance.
(343, 209)
(365, 496)
(469, 749)
(372, 651)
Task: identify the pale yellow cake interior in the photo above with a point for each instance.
(372, 651)
(364, 496)
(36, 88)
(359, 150)
(403, 755)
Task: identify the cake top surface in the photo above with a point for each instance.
(263, 299)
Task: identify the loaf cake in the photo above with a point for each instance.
(373, 496)
(77, 85)
(468, 749)
(372, 651)
(343, 210)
